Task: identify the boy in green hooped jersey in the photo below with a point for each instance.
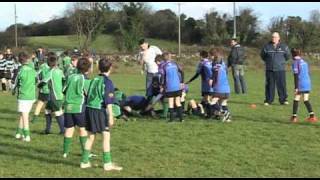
(43, 96)
(75, 91)
(25, 84)
(54, 106)
(99, 117)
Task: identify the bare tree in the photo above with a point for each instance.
(86, 18)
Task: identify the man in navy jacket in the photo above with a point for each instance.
(275, 54)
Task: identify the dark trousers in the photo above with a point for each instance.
(276, 78)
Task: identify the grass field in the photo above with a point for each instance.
(102, 44)
(258, 143)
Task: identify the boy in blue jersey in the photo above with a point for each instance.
(220, 84)
(302, 85)
(171, 84)
(205, 70)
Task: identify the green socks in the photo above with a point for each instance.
(85, 156)
(66, 144)
(106, 157)
(83, 140)
(34, 118)
(26, 132)
(165, 110)
(19, 131)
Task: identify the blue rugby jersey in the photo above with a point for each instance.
(170, 76)
(136, 102)
(220, 77)
(205, 70)
(301, 69)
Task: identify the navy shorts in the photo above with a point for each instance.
(43, 97)
(207, 93)
(74, 119)
(303, 92)
(221, 95)
(97, 120)
(173, 94)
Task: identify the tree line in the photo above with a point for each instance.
(129, 22)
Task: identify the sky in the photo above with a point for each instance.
(29, 12)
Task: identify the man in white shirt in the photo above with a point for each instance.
(147, 57)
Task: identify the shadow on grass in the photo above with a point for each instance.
(8, 111)
(33, 154)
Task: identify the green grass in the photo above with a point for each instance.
(258, 143)
(102, 44)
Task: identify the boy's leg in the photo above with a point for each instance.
(69, 125)
(295, 107)
(214, 105)
(85, 155)
(107, 161)
(309, 107)
(48, 121)
(19, 132)
(26, 130)
(60, 120)
(37, 111)
(226, 113)
(165, 107)
(83, 136)
(3, 84)
(179, 108)
(171, 108)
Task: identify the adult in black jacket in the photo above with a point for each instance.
(236, 62)
(275, 54)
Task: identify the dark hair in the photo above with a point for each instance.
(141, 41)
(166, 55)
(204, 54)
(52, 61)
(104, 65)
(51, 54)
(217, 53)
(23, 57)
(74, 57)
(66, 52)
(83, 65)
(116, 89)
(296, 52)
(158, 58)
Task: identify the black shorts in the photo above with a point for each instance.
(221, 95)
(54, 106)
(196, 111)
(97, 120)
(43, 97)
(8, 75)
(207, 93)
(74, 119)
(173, 94)
(303, 92)
(2, 74)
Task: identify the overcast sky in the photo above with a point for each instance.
(29, 12)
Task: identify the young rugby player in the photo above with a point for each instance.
(76, 90)
(99, 117)
(25, 84)
(302, 85)
(172, 85)
(205, 70)
(54, 105)
(220, 84)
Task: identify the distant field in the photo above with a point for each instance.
(258, 143)
(103, 43)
